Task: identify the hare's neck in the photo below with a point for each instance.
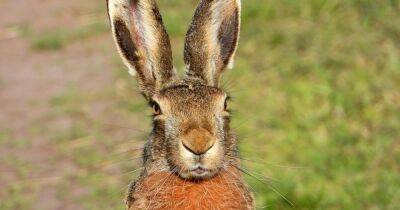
(154, 156)
(167, 191)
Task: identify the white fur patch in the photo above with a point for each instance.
(231, 63)
(132, 71)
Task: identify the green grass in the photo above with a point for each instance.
(57, 38)
(316, 89)
(325, 95)
(17, 198)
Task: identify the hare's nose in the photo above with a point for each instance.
(198, 141)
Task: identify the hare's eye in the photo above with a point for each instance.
(156, 108)
(226, 104)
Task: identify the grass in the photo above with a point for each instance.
(56, 39)
(324, 96)
(324, 78)
(316, 89)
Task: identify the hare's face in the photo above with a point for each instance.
(189, 115)
(194, 118)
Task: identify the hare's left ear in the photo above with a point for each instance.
(212, 39)
(142, 42)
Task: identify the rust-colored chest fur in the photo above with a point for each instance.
(168, 191)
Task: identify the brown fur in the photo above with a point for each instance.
(190, 160)
(169, 191)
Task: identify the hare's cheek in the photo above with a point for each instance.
(220, 123)
(171, 126)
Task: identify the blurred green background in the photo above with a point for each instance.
(316, 89)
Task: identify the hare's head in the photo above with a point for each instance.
(191, 121)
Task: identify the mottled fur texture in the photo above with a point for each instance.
(190, 160)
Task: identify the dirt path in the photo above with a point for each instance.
(29, 79)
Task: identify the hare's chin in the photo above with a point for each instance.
(198, 173)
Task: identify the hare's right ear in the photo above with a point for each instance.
(142, 42)
(212, 39)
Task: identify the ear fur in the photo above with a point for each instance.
(212, 39)
(142, 42)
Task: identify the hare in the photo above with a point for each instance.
(190, 160)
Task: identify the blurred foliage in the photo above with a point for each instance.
(57, 38)
(325, 95)
(316, 89)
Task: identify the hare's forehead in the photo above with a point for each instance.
(185, 97)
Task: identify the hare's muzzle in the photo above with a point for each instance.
(198, 141)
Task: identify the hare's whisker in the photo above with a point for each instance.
(269, 185)
(96, 121)
(261, 175)
(161, 185)
(124, 127)
(124, 152)
(132, 171)
(235, 90)
(263, 162)
(254, 191)
(112, 163)
(237, 187)
(125, 188)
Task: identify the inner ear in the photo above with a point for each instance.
(228, 36)
(124, 40)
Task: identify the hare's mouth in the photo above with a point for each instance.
(199, 172)
(200, 166)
